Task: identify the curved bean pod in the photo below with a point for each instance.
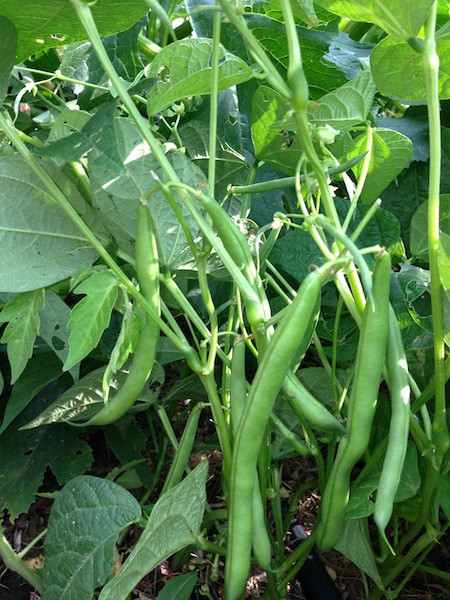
(147, 270)
(397, 367)
(370, 359)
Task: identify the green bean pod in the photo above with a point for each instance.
(184, 450)
(147, 270)
(369, 365)
(397, 368)
(238, 398)
(303, 402)
(269, 377)
(237, 247)
(260, 538)
(238, 385)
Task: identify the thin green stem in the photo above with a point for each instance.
(255, 48)
(220, 422)
(430, 61)
(362, 178)
(278, 184)
(13, 562)
(213, 99)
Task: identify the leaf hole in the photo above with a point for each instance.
(58, 344)
(232, 119)
(164, 74)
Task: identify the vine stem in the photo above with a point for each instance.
(15, 563)
(430, 61)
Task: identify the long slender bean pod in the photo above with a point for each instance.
(147, 270)
(267, 382)
(369, 365)
(184, 450)
(238, 398)
(303, 402)
(397, 368)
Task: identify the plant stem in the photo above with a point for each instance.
(430, 62)
(255, 48)
(13, 562)
(213, 102)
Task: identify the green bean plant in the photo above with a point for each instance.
(224, 233)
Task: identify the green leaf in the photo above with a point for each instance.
(41, 370)
(183, 69)
(39, 243)
(274, 147)
(79, 61)
(90, 317)
(410, 297)
(443, 493)
(85, 397)
(398, 72)
(174, 523)
(346, 106)
(419, 227)
(22, 312)
(43, 24)
(410, 480)
(27, 454)
(414, 128)
(179, 588)
(94, 137)
(401, 19)
(391, 153)
(8, 42)
(342, 108)
(84, 524)
(117, 196)
(355, 545)
(54, 327)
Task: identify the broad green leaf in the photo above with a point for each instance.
(43, 24)
(414, 128)
(391, 153)
(305, 9)
(8, 41)
(355, 545)
(183, 69)
(443, 493)
(39, 243)
(279, 149)
(94, 137)
(410, 297)
(27, 454)
(22, 315)
(342, 108)
(42, 369)
(67, 122)
(117, 196)
(86, 397)
(346, 106)
(54, 327)
(90, 316)
(410, 480)
(174, 523)
(361, 503)
(410, 190)
(230, 164)
(398, 72)
(179, 588)
(419, 227)
(85, 521)
(401, 19)
(80, 61)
